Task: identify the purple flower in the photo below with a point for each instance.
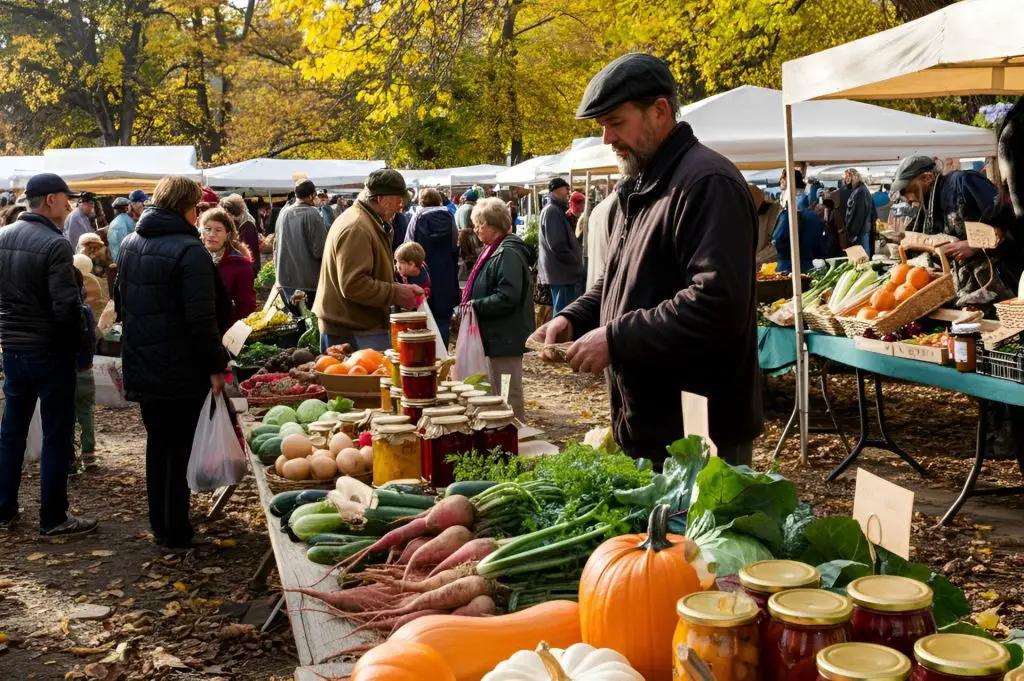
(995, 113)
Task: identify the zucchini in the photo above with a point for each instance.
(388, 514)
(469, 488)
(284, 502)
(387, 497)
(308, 496)
(406, 487)
(336, 539)
(264, 430)
(319, 523)
(323, 507)
(324, 554)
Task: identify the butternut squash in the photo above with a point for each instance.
(401, 661)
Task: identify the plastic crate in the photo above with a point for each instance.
(1008, 366)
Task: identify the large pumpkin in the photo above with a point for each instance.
(402, 661)
(628, 594)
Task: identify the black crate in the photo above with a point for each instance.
(1006, 365)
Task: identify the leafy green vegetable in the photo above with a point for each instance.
(836, 574)
(266, 277)
(493, 465)
(836, 538)
(729, 551)
(310, 410)
(675, 484)
(256, 354)
(949, 605)
(761, 527)
(279, 415)
(342, 405)
(793, 539)
(732, 492)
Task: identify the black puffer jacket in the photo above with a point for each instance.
(174, 309)
(40, 302)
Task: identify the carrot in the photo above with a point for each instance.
(449, 512)
(448, 597)
(470, 552)
(410, 549)
(439, 548)
(481, 606)
(359, 599)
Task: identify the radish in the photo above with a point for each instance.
(438, 548)
(450, 596)
(481, 606)
(470, 552)
(411, 548)
(449, 512)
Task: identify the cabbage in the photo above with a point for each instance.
(310, 411)
(291, 428)
(280, 415)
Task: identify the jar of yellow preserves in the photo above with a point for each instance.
(396, 454)
(722, 629)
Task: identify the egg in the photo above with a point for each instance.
(279, 465)
(296, 469)
(339, 442)
(367, 455)
(296, 446)
(323, 466)
(350, 462)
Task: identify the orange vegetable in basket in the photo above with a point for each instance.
(883, 300)
(898, 273)
(867, 313)
(367, 359)
(919, 278)
(891, 287)
(904, 292)
(336, 370)
(358, 370)
(326, 361)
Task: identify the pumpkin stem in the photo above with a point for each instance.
(657, 530)
(551, 665)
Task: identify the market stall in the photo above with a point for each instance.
(114, 170)
(263, 175)
(12, 168)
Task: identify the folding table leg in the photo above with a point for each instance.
(786, 431)
(972, 477)
(259, 578)
(223, 496)
(892, 446)
(828, 404)
(862, 413)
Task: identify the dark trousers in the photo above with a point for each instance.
(170, 426)
(49, 378)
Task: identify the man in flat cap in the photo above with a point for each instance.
(675, 309)
(561, 261)
(357, 281)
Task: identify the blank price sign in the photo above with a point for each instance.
(884, 511)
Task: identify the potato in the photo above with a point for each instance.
(339, 442)
(367, 454)
(296, 469)
(279, 465)
(349, 462)
(296, 446)
(322, 466)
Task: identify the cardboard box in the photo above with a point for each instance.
(923, 353)
(871, 345)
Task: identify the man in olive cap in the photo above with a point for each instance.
(357, 281)
(675, 309)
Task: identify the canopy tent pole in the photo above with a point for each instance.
(794, 248)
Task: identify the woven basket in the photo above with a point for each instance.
(1011, 316)
(274, 400)
(278, 484)
(933, 296)
(819, 318)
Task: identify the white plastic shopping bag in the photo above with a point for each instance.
(217, 458)
(109, 382)
(469, 349)
(34, 443)
(442, 350)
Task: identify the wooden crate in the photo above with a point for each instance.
(872, 345)
(923, 353)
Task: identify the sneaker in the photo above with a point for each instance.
(71, 527)
(8, 525)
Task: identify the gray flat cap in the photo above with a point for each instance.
(385, 182)
(630, 78)
(910, 168)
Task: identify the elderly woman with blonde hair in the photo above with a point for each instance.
(246, 226)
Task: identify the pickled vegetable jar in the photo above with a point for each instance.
(766, 577)
(417, 349)
(392, 357)
(419, 384)
(722, 629)
(891, 611)
(954, 657)
(496, 429)
(862, 662)
(414, 408)
(396, 400)
(385, 394)
(396, 454)
(434, 412)
(443, 437)
(406, 321)
(803, 622)
(351, 423)
(479, 403)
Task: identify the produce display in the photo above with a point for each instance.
(903, 282)
(258, 321)
(278, 385)
(359, 363)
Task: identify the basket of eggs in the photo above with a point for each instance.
(910, 293)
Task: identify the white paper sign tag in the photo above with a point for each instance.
(506, 386)
(884, 511)
(695, 418)
(857, 254)
(235, 337)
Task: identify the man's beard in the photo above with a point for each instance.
(632, 162)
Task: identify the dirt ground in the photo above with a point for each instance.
(195, 616)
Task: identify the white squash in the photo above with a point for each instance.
(579, 662)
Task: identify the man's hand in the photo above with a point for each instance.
(217, 384)
(590, 353)
(407, 295)
(959, 250)
(558, 330)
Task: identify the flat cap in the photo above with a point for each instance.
(909, 169)
(47, 183)
(121, 202)
(557, 183)
(630, 78)
(385, 182)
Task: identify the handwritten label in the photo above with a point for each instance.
(884, 511)
(506, 386)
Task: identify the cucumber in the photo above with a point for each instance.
(406, 487)
(284, 502)
(308, 496)
(309, 526)
(469, 488)
(271, 446)
(322, 507)
(333, 554)
(337, 539)
(264, 430)
(387, 497)
(257, 442)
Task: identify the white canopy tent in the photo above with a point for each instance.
(524, 174)
(114, 170)
(465, 176)
(277, 174)
(13, 168)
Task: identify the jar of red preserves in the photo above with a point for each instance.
(954, 657)
(433, 412)
(862, 662)
(766, 577)
(414, 408)
(891, 611)
(419, 384)
(722, 629)
(417, 349)
(479, 403)
(496, 429)
(465, 397)
(803, 622)
(443, 437)
(406, 321)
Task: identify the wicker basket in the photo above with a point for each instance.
(819, 318)
(278, 484)
(1011, 315)
(933, 296)
(274, 400)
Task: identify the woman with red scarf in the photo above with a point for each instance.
(500, 290)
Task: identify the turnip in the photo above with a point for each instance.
(470, 552)
(410, 549)
(439, 548)
(450, 596)
(359, 599)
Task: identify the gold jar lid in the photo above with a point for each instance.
(718, 608)
(810, 607)
(417, 336)
(889, 593)
(961, 655)
(862, 662)
(772, 576)
(1015, 674)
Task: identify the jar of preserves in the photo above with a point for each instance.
(436, 411)
(414, 408)
(862, 662)
(448, 385)
(465, 397)
(965, 346)
(385, 393)
(381, 420)
(446, 399)
(351, 423)
(954, 657)
(443, 437)
(396, 454)
(479, 403)
(392, 359)
(496, 429)
(722, 629)
(417, 349)
(766, 577)
(891, 611)
(803, 622)
(406, 321)
(419, 384)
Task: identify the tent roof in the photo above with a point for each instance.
(747, 126)
(454, 177)
(106, 163)
(278, 174)
(525, 173)
(969, 48)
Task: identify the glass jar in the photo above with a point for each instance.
(479, 403)
(862, 662)
(766, 577)
(351, 423)
(722, 629)
(446, 399)
(392, 358)
(419, 384)
(414, 408)
(436, 411)
(803, 622)
(396, 454)
(385, 394)
(465, 397)
(891, 611)
(406, 321)
(396, 401)
(443, 437)
(496, 429)
(448, 385)
(417, 349)
(965, 346)
(460, 389)
(381, 420)
(954, 657)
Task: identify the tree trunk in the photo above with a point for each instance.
(129, 90)
(510, 54)
(915, 9)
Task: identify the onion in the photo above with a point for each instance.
(367, 455)
(296, 446)
(350, 462)
(339, 442)
(296, 469)
(323, 467)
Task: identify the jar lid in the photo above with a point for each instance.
(446, 397)
(484, 400)
(385, 382)
(961, 655)
(862, 662)
(353, 416)
(391, 355)
(417, 336)
(450, 420)
(772, 576)
(417, 404)
(497, 415)
(810, 607)
(389, 420)
(398, 429)
(461, 388)
(450, 384)
(474, 394)
(408, 317)
(718, 608)
(453, 410)
(396, 391)
(322, 426)
(1015, 674)
(418, 372)
(889, 593)
(966, 327)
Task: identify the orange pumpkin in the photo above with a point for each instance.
(402, 661)
(326, 361)
(898, 273)
(919, 278)
(628, 594)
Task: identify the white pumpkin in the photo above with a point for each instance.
(579, 662)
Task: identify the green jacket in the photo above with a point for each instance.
(503, 298)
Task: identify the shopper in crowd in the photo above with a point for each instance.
(411, 266)
(767, 218)
(513, 210)
(561, 260)
(263, 211)
(399, 225)
(10, 215)
(579, 218)
(209, 200)
(860, 212)
(299, 244)
(499, 290)
(121, 226)
(233, 260)
(468, 243)
(577, 203)
(803, 197)
(42, 329)
(845, 190)
(814, 240)
(81, 219)
(91, 245)
(599, 224)
(357, 284)
(433, 228)
(245, 228)
(449, 205)
(96, 296)
(174, 311)
(85, 388)
(679, 284)
(323, 204)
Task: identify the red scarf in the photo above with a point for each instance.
(467, 293)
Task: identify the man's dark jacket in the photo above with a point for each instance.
(40, 302)
(174, 308)
(561, 261)
(677, 300)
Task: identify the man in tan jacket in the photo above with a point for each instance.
(357, 280)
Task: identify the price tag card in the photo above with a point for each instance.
(235, 337)
(272, 298)
(857, 254)
(884, 511)
(506, 386)
(695, 418)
